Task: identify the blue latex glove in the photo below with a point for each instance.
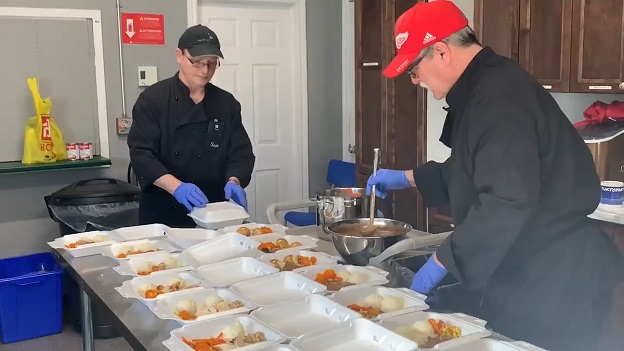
(385, 180)
(190, 196)
(236, 193)
(428, 277)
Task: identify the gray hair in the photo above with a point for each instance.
(463, 38)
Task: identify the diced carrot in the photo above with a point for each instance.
(313, 260)
(329, 274)
(187, 316)
(435, 326)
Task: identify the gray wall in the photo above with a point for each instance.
(24, 222)
(324, 27)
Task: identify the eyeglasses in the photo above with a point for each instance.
(199, 64)
(410, 69)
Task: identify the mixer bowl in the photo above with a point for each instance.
(358, 250)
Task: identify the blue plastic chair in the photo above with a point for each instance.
(340, 174)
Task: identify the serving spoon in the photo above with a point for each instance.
(371, 228)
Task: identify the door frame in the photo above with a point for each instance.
(300, 65)
(348, 79)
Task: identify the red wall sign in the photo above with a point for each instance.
(143, 28)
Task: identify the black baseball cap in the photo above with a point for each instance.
(200, 41)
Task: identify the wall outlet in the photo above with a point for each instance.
(123, 125)
(148, 75)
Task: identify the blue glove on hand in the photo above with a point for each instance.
(386, 179)
(428, 277)
(236, 193)
(190, 196)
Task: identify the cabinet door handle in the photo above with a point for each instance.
(621, 86)
(351, 149)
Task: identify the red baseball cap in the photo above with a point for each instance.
(420, 26)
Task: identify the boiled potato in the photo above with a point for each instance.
(374, 300)
(391, 303)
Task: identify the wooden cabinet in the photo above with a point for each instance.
(389, 113)
(568, 45)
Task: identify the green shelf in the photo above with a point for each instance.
(18, 167)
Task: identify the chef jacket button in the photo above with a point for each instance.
(176, 154)
(178, 127)
(203, 130)
(198, 156)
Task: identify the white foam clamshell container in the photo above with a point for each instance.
(277, 288)
(271, 346)
(130, 288)
(147, 231)
(276, 228)
(472, 328)
(309, 314)
(223, 247)
(131, 266)
(497, 345)
(165, 308)
(187, 237)
(232, 271)
(307, 242)
(376, 276)
(412, 301)
(83, 250)
(321, 257)
(114, 249)
(219, 215)
(212, 328)
(358, 334)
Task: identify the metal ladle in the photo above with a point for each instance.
(370, 228)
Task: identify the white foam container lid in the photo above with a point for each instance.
(306, 241)
(147, 231)
(212, 328)
(232, 271)
(412, 300)
(295, 318)
(187, 237)
(131, 266)
(114, 249)
(376, 276)
(276, 288)
(472, 328)
(218, 215)
(276, 228)
(83, 250)
(164, 308)
(272, 346)
(497, 345)
(357, 335)
(321, 257)
(130, 288)
(223, 247)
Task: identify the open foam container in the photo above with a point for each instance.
(133, 288)
(498, 345)
(277, 288)
(472, 328)
(374, 275)
(133, 265)
(159, 245)
(412, 301)
(305, 241)
(84, 250)
(358, 334)
(147, 231)
(301, 316)
(275, 228)
(212, 328)
(218, 215)
(165, 308)
(234, 270)
(187, 237)
(223, 247)
(321, 257)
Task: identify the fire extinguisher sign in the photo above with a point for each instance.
(142, 28)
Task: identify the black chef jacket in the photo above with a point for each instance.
(520, 182)
(202, 143)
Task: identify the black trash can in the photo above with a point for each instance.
(89, 205)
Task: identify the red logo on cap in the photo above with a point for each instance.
(400, 39)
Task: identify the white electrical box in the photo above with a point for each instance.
(148, 75)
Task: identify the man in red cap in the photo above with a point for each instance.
(520, 182)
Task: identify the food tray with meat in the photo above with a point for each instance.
(234, 270)
(294, 259)
(429, 329)
(187, 237)
(154, 287)
(497, 345)
(197, 306)
(83, 244)
(224, 333)
(309, 314)
(147, 231)
(377, 302)
(358, 334)
(154, 263)
(339, 277)
(255, 229)
(276, 288)
(223, 247)
(270, 243)
(137, 248)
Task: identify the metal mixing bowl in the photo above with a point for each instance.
(358, 250)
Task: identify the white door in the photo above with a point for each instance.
(348, 80)
(260, 69)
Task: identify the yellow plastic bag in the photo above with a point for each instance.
(43, 139)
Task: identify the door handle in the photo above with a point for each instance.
(351, 149)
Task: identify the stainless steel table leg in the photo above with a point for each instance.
(87, 322)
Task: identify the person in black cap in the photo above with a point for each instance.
(188, 146)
